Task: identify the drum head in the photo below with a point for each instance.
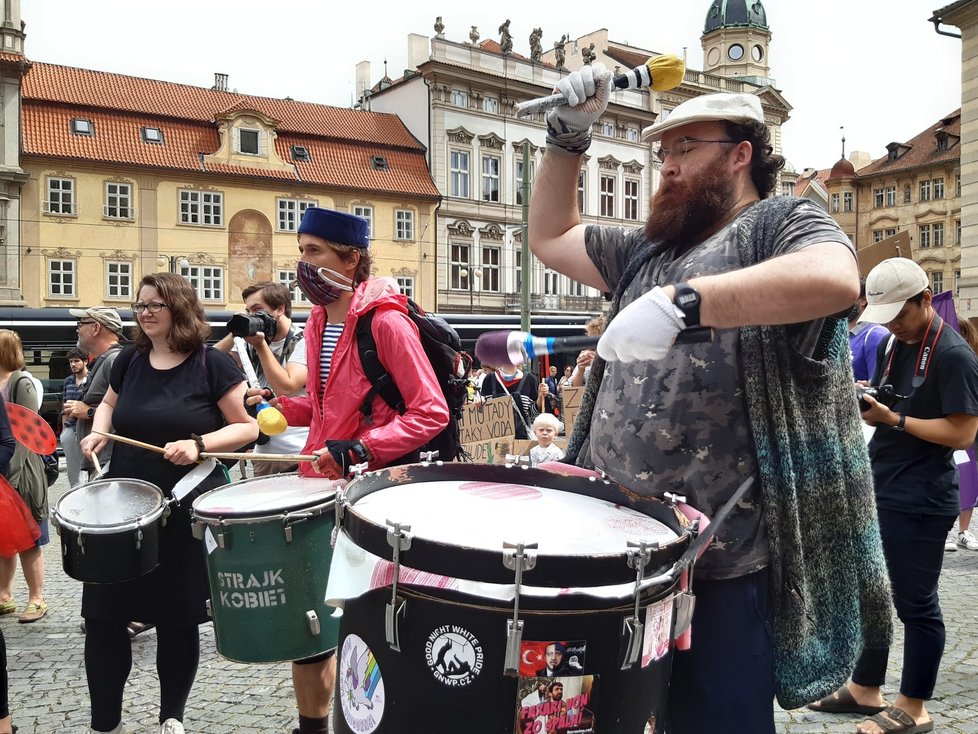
(110, 503)
(265, 496)
(485, 514)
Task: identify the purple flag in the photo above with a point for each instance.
(944, 305)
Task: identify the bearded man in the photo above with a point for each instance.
(794, 584)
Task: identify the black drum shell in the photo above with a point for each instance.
(109, 558)
(626, 699)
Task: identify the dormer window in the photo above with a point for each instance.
(152, 135)
(379, 163)
(82, 126)
(300, 154)
(249, 141)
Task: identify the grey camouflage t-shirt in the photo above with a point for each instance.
(680, 424)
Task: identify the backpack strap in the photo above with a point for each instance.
(381, 383)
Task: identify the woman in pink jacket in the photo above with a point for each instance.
(334, 273)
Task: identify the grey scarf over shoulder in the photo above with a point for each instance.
(832, 595)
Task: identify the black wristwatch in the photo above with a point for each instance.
(91, 413)
(687, 300)
(361, 451)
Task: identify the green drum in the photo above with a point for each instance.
(268, 550)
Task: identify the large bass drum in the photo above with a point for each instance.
(110, 529)
(494, 600)
(267, 544)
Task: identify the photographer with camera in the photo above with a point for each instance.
(924, 405)
(278, 355)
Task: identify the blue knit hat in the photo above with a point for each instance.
(337, 227)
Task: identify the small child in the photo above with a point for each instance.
(545, 428)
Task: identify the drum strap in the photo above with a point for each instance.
(706, 535)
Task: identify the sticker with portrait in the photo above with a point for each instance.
(658, 631)
(549, 658)
(561, 705)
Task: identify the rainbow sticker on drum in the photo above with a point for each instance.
(361, 686)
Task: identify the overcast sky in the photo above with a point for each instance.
(875, 66)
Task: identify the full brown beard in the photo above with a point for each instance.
(683, 211)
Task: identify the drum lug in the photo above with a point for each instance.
(210, 610)
(288, 533)
(357, 470)
(139, 538)
(312, 622)
(339, 506)
(685, 603)
(516, 460)
(516, 556)
(633, 629)
(81, 543)
(399, 540)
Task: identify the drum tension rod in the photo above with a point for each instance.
(517, 460)
(516, 557)
(633, 629)
(399, 540)
(428, 457)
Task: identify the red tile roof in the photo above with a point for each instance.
(341, 142)
(922, 149)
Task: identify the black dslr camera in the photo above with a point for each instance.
(884, 394)
(242, 324)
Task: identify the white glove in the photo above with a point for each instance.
(587, 91)
(643, 330)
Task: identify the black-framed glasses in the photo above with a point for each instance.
(682, 146)
(140, 308)
(84, 323)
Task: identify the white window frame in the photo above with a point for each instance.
(925, 190)
(459, 172)
(459, 98)
(82, 126)
(490, 105)
(404, 225)
(957, 231)
(938, 188)
(890, 193)
(62, 278)
(207, 280)
(287, 278)
(491, 260)
(406, 284)
(607, 129)
(632, 134)
(201, 208)
(60, 197)
(607, 194)
(877, 198)
(877, 235)
(492, 166)
(366, 212)
(937, 234)
(847, 201)
(460, 254)
(118, 280)
(923, 235)
(518, 181)
(631, 197)
(936, 282)
(153, 135)
(118, 203)
(551, 282)
(835, 203)
(289, 212)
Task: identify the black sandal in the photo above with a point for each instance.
(137, 628)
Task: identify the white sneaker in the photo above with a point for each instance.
(950, 545)
(171, 726)
(968, 540)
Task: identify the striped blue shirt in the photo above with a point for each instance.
(331, 335)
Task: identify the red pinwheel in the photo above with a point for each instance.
(31, 429)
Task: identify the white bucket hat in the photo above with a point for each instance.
(709, 108)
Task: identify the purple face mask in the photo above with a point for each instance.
(322, 286)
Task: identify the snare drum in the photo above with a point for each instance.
(110, 529)
(504, 599)
(267, 545)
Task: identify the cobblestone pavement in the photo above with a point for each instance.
(48, 692)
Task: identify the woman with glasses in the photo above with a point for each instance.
(171, 390)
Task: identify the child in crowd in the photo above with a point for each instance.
(546, 427)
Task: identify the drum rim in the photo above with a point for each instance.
(144, 520)
(245, 519)
(455, 561)
(264, 514)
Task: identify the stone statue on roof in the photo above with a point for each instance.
(474, 35)
(505, 39)
(588, 54)
(559, 52)
(536, 48)
(439, 27)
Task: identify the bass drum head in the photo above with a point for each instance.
(109, 504)
(264, 497)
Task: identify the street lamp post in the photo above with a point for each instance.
(172, 261)
(471, 274)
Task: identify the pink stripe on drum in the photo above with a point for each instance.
(383, 575)
(501, 491)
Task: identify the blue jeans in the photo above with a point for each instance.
(914, 548)
(725, 681)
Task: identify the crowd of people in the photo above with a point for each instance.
(789, 356)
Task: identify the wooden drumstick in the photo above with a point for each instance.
(98, 466)
(290, 458)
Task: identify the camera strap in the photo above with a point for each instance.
(927, 346)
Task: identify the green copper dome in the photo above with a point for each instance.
(735, 13)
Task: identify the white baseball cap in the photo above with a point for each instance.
(709, 108)
(889, 285)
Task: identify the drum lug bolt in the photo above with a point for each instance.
(358, 469)
(674, 499)
(428, 457)
(516, 556)
(399, 540)
(633, 629)
(515, 460)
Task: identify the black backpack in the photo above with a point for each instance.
(450, 364)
